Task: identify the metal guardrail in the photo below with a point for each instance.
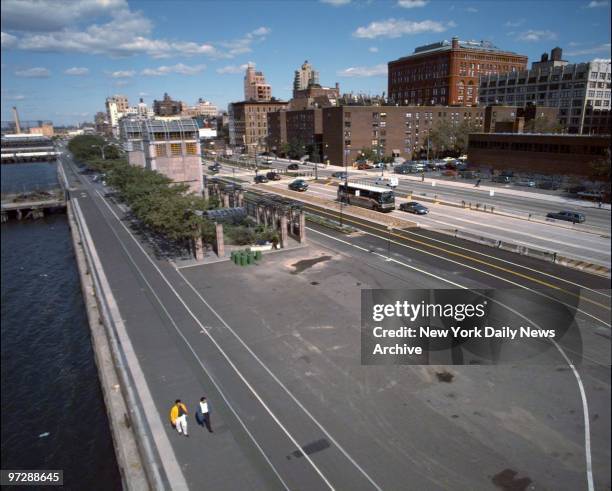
(150, 458)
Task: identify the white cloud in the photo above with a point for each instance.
(336, 3)
(234, 68)
(143, 94)
(37, 72)
(364, 71)
(602, 48)
(52, 15)
(127, 32)
(472, 10)
(123, 74)
(8, 40)
(593, 4)
(243, 45)
(533, 35)
(77, 71)
(515, 23)
(179, 69)
(16, 97)
(394, 28)
(411, 4)
(373, 49)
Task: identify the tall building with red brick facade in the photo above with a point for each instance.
(448, 73)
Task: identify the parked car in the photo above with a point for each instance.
(340, 175)
(260, 178)
(293, 167)
(214, 168)
(526, 183)
(502, 179)
(363, 166)
(568, 216)
(273, 176)
(548, 185)
(298, 185)
(414, 207)
(450, 173)
(390, 181)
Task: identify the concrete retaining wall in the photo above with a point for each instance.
(127, 451)
(548, 256)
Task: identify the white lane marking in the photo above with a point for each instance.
(427, 273)
(508, 262)
(585, 407)
(164, 448)
(204, 330)
(280, 383)
(227, 358)
(487, 273)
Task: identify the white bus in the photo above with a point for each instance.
(368, 196)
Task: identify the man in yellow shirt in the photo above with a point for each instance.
(178, 417)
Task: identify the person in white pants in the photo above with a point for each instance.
(178, 417)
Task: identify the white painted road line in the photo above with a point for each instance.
(223, 353)
(585, 407)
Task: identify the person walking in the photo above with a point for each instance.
(205, 413)
(178, 417)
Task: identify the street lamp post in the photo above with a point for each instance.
(101, 147)
(390, 229)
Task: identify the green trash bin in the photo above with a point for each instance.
(250, 257)
(258, 255)
(243, 258)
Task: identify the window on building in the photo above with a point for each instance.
(175, 149)
(160, 150)
(191, 148)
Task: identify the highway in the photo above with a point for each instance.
(511, 199)
(276, 350)
(583, 244)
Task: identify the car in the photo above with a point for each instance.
(260, 178)
(568, 216)
(340, 175)
(390, 181)
(214, 168)
(293, 167)
(526, 183)
(502, 179)
(363, 166)
(414, 207)
(298, 185)
(273, 176)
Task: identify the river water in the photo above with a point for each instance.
(53, 414)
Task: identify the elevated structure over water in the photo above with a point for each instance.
(24, 147)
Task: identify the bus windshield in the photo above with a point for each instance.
(386, 197)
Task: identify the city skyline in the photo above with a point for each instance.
(61, 64)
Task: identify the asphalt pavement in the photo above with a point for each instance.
(276, 349)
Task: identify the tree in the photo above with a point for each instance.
(542, 124)
(462, 135)
(441, 137)
(367, 153)
(87, 147)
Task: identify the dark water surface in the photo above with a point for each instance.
(49, 378)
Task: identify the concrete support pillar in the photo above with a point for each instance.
(19, 214)
(225, 200)
(220, 242)
(240, 198)
(199, 249)
(283, 231)
(302, 225)
(206, 193)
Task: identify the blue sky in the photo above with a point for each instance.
(61, 58)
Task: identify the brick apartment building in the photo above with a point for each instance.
(248, 123)
(448, 73)
(167, 107)
(513, 119)
(391, 130)
(558, 154)
(304, 127)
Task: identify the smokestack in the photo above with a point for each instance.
(16, 119)
(455, 43)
